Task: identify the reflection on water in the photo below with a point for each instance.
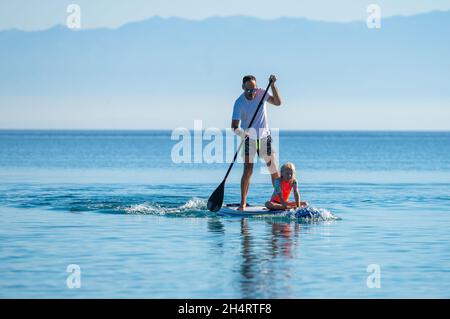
(249, 263)
(282, 238)
(263, 258)
(215, 225)
(269, 261)
(262, 264)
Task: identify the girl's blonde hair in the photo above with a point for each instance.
(288, 165)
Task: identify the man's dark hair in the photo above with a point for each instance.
(248, 78)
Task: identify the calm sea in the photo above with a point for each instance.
(133, 223)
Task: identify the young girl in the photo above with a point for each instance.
(283, 187)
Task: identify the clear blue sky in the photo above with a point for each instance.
(42, 14)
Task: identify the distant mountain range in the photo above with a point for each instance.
(407, 57)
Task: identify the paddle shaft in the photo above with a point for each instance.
(249, 126)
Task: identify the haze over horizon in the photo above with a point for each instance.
(22, 14)
(165, 73)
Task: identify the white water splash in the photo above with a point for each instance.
(195, 204)
(314, 214)
(193, 207)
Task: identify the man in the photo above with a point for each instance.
(259, 140)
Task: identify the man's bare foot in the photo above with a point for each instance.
(242, 207)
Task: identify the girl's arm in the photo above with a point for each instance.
(297, 198)
(296, 193)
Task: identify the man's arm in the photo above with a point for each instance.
(236, 129)
(236, 119)
(275, 99)
(234, 124)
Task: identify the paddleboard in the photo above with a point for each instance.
(232, 210)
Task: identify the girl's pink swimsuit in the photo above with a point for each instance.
(283, 188)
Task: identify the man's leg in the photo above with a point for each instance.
(272, 167)
(268, 154)
(245, 182)
(249, 155)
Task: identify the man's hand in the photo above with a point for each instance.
(237, 130)
(275, 99)
(240, 132)
(272, 78)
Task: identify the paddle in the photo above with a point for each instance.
(215, 201)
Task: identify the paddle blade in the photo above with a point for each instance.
(215, 201)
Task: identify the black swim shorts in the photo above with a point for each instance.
(261, 146)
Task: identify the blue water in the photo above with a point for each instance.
(136, 224)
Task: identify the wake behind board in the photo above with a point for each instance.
(304, 212)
